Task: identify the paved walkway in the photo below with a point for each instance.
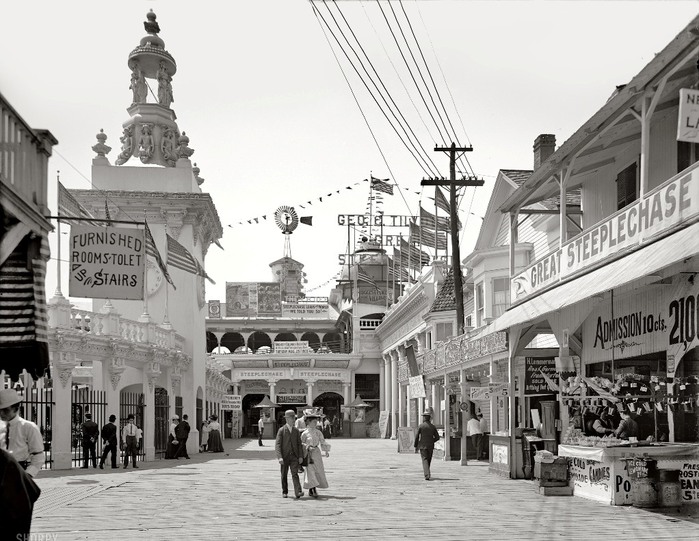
(374, 493)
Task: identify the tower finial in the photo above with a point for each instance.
(151, 26)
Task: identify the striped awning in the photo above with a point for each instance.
(23, 317)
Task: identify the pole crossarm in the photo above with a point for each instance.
(466, 181)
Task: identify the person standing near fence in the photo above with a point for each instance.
(130, 440)
(109, 435)
(90, 432)
(21, 438)
(260, 430)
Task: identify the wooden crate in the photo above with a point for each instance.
(553, 474)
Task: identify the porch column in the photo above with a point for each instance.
(387, 381)
(447, 424)
(465, 417)
(382, 386)
(394, 396)
(401, 404)
(433, 402)
(272, 388)
(309, 392)
(150, 378)
(347, 400)
(61, 415)
(236, 388)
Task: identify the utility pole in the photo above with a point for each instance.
(455, 153)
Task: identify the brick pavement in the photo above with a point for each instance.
(374, 493)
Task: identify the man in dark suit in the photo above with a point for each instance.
(109, 435)
(182, 433)
(90, 432)
(289, 452)
(18, 493)
(425, 439)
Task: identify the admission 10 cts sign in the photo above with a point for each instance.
(106, 262)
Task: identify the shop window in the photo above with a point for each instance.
(480, 305)
(501, 296)
(627, 186)
(687, 154)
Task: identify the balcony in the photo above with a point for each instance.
(103, 335)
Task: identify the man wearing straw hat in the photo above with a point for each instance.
(289, 450)
(21, 438)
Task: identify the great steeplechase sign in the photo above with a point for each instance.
(664, 208)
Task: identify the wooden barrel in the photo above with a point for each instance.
(644, 493)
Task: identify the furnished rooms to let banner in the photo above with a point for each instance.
(106, 262)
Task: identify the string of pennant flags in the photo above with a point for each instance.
(380, 185)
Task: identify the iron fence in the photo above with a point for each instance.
(162, 421)
(37, 407)
(83, 401)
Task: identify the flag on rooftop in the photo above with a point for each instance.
(364, 277)
(425, 236)
(440, 200)
(381, 185)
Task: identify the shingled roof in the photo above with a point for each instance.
(445, 299)
(518, 176)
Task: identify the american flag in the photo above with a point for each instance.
(364, 277)
(427, 219)
(179, 257)
(381, 185)
(69, 207)
(415, 253)
(427, 237)
(152, 250)
(440, 200)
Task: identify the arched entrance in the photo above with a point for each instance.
(259, 339)
(331, 404)
(232, 340)
(250, 415)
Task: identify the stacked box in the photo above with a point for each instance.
(554, 474)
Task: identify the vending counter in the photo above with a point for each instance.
(605, 474)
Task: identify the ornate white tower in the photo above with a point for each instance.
(170, 199)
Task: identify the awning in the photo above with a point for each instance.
(645, 261)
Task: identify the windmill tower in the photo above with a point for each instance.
(287, 271)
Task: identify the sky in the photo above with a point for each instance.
(274, 122)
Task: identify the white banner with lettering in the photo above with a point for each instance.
(672, 203)
(106, 262)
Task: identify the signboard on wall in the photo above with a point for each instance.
(106, 262)
(657, 319)
(305, 310)
(688, 116)
(215, 309)
(674, 202)
(253, 299)
(232, 402)
(534, 370)
(406, 439)
(417, 387)
(291, 347)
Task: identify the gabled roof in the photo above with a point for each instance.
(445, 299)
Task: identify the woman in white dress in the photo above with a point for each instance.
(215, 442)
(205, 430)
(313, 443)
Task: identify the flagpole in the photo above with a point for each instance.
(166, 320)
(58, 292)
(145, 316)
(371, 202)
(436, 229)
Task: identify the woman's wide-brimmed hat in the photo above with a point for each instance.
(312, 413)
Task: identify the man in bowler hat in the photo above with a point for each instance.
(109, 435)
(425, 439)
(289, 452)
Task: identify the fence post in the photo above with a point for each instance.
(61, 451)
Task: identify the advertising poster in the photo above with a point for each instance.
(269, 299)
(534, 370)
(237, 299)
(106, 262)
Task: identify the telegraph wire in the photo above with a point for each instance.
(369, 89)
(378, 77)
(366, 121)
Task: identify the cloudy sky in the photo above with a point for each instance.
(274, 122)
